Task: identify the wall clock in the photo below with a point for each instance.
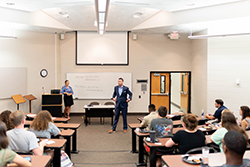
(44, 73)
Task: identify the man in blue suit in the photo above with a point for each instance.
(120, 95)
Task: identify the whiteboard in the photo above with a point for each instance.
(108, 49)
(96, 85)
(13, 81)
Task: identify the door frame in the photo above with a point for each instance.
(189, 87)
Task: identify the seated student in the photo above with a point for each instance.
(152, 115)
(21, 139)
(5, 117)
(162, 125)
(245, 113)
(7, 155)
(43, 125)
(218, 104)
(234, 146)
(188, 138)
(228, 122)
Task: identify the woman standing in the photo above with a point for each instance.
(68, 99)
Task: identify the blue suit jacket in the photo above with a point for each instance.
(121, 100)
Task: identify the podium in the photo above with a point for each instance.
(30, 98)
(18, 99)
(52, 103)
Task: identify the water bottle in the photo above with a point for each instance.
(202, 113)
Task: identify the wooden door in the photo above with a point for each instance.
(185, 92)
(160, 89)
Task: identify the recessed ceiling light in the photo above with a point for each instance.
(190, 4)
(137, 14)
(10, 3)
(64, 14)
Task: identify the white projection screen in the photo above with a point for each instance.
(108, 49)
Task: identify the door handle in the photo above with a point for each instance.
(182, 92)
(160, 94)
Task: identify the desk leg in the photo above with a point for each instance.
(74, 150)
(133, 142)
(112, 120)
(152, 157)
(67, 147)
(57, 157)
(141, 153)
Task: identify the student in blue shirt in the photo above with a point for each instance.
(220, 105)
(68, 99)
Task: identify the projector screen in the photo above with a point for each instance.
(108, 49)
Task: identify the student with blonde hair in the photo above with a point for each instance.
(21, 139)
(43, 125)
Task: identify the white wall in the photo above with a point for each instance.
(176, 88)
(228, 61)
(34, 51)
(150, 52)
(199, 75)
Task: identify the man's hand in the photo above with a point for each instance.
(114, 99)
(128, 100)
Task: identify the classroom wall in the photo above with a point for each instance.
(155, 52)
(35, 51)
(199, 74)
(228, 61)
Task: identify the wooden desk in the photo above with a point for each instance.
(214, 159)
(99, 111)
(67, 135)
(133, 127)
(55, 119)
(36, 161)
(57, 146)
(141, 148)
(74, 138)
(153, 147)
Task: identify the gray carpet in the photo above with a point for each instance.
(98, 148)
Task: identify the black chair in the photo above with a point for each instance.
(215, 146)
(23, 153)
(202, 121)
(198, 150)
(176, 117)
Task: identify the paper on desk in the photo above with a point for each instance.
(50, 142)
(202, 129)
(53, 118)
(171, 115)
(158, 143)
(31, 115)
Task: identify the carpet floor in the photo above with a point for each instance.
(99, 148)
